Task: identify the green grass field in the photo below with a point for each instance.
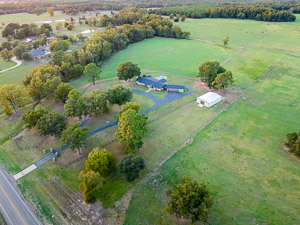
(163, 54)
(238, 154)
(241, 158)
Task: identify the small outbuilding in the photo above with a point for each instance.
(209, 99)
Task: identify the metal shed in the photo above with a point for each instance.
(209, 99)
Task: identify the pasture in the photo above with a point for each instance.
(240, 157)
(237, 147)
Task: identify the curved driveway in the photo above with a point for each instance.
(170, 96)
(14, 59)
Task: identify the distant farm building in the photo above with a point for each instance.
(158, 84)
(27, 41)
(37, 53)
(209, 99)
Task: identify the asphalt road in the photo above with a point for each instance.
(12, 205)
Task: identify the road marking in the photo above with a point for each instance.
(20, 199)
(6, 214)
(13, 205)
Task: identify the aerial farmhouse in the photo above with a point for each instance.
(158, 84)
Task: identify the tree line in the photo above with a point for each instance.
(141, 19)
(234, 11)
(21, 31)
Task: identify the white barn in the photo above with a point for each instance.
(209, 99)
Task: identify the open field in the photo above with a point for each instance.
(163, 54)
(267, 35)
(240, 156)
(237, 152)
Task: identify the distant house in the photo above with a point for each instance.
(37, 53)
(158, 84)
(209, 99)
(27, 41)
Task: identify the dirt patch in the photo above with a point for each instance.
(117, 213)
(286, 149)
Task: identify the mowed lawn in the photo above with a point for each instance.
(169, 55)
(240, 156)
(278, 36)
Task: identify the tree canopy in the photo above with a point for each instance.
(95, 102)
(32, 117)
(128, 70)
(131, 129)
(214, 75)
(101, 161)
(91, 185)
(189, 200)
(75, 136)
(92, 72)
(12, 97)
(52, 124)
(293, 142)
(131, 166)
(119, 95)
(128, 105)
(74, 105)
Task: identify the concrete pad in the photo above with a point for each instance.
(25, 171)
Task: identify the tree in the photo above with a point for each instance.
(189, 200)
(19, 50)
(74, 105)
(6, 55)
(91, 185)
(52, 124)
(50, 11)
(6, 45)
(42, 81)
(57, 58)
(75, 136)
(95, 102)
(128, 70)
(58, 26)
(131, 129)
(293, 142)
(26, 56)
(12, 97)
(92, 72)
(70, 26)
(208, 71)
(171, 16)
(222, 80)
(119, 95)
(71, 38)
(62, 91)
(31, 117)
(101, 161)
(128, 105)
(225, 41)
(131, 166)
(183, 17)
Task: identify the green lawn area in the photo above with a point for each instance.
(4, 64)
(16, 75)
(169, 55)
(240, 157)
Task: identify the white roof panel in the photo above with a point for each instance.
(210, 97)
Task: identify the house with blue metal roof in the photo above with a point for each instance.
(37, 53)
(158, 84)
